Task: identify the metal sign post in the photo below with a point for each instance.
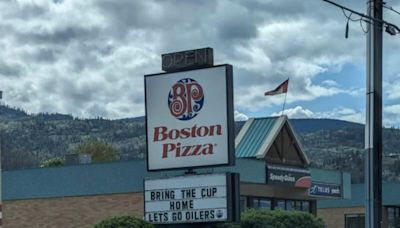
(373, 126)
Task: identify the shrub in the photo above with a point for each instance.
(227, 225)
(124, 222)
(253, 218)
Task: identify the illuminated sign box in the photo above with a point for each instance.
(187, 60)
(288, 176)
(190, 199)
(325, 190)
(189, 117)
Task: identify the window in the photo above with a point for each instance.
(290, 205)
(243, 203)
(305, 206)
(354, 221)
(393, 217)
(300, 205)
(264, 203)
(280, 204)
(297, 205)
(283, 204)
(255, 203)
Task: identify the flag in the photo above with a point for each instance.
(282, 88)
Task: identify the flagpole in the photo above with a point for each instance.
(284, 102)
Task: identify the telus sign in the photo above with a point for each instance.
(189, 118)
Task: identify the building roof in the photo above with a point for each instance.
(257, 137)
(253, 135)
(390, 197)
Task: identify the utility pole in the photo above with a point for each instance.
(1, 171)
(373, 126)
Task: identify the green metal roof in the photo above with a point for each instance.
(254, 136)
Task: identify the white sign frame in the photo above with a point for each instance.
(212, 195)
(164, 131)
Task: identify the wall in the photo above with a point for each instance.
(70, 212)
(334, 217)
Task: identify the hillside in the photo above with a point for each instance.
(343, 149)
(27, 140)
(312, 125)
(8, 113)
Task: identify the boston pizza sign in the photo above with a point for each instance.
(189, 118)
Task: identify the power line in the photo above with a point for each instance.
(383, 4)
(391, 8)
(392, 29)
(349, 18)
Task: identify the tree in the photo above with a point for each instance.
(123, 222)
(275, 219)
(100, 151)
(280, 218)
(52, 162)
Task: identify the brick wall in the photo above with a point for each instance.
(334, 217)
(70, 212)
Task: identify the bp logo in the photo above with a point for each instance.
(185, 99)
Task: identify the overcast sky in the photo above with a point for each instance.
(88, 57)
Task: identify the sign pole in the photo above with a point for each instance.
(284, 102)
(373, 126)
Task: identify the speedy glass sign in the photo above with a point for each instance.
(189, 118)
(187, 199)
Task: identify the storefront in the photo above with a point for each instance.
(290, 183)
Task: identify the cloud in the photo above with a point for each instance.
(88, 58)
(297, 112)
(10, 69)
(252, 97)
(237, 24)
(329, 83)
(392, 89)
(391, 115)
(240, 116)
(347, 114)
(393, 109)
(340, 113)
(343, 113)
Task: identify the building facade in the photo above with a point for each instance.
(274, 173)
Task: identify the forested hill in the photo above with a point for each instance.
(27, 140)
(313, 125)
